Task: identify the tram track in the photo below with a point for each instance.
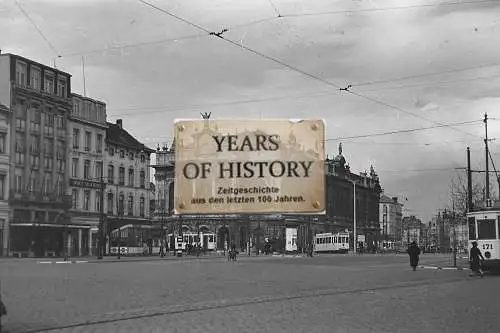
(158, 311)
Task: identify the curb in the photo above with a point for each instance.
(443, 268)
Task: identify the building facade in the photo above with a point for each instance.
(40, 101)
(127, 173)
(253, 230)
(87, 125)
(4, 179)
(413, 230)
(391, 214)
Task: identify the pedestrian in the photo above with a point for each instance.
(475, 262)
(3, 312)
(414, 252)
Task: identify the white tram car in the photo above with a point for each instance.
(332, 243)
(206, 240)
(484, 228)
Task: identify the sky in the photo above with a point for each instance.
(409, 63)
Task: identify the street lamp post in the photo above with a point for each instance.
(354, 217)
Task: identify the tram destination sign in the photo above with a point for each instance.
(249, 166)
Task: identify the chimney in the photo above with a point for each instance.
(119, 122)
(395, 199)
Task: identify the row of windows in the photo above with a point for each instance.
(87, 140)
(130, 155)
(121, 176)
(91, 201)
(46, 185)
(88, 110)
(52, 84)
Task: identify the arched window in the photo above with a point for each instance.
(131, 177)
(111, 203)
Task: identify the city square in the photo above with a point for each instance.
(326, 293)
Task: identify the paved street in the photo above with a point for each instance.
(343, 293)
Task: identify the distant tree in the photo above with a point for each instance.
(458, 193)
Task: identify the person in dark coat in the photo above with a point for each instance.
(475, 263)
(414, 252)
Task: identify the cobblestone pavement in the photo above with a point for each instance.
(321, 294)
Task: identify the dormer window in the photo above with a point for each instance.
(49, 83)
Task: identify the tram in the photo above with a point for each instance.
(207, 241)
(484, 228)
(331, 243)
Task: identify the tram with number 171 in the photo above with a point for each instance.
(484, 228)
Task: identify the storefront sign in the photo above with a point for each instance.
(84, 183)
(249, 166)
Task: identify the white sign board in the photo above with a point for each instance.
(361, 238)
(291, 239)
(249, 166)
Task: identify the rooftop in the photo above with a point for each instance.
(117, 135)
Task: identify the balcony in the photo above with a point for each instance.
(66, 101)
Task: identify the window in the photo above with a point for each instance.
(49, 147)
(131, 177)
(121, 176)
(21, 73)
(49, 124)
(98, 143)
(142, 178)
(74, 168)
(19, 183)
(74, 195)
(76, 138)
(142, 207)
(130, 205)
(3, 136)
(2, 187)
(61, 88)
(36, 78)
(76, 107)
(122, 153)
(47, 184)
(60, 126)
(131, 156)
(35, 122)
(19, 157)
(98, 201)
(49, 83)
(486, 229)
(61, 164)
(121, 205)
(48, 162)
(111, 174)
(86, 199)
(111, 151)
(86, 169)
(98, 170)
(143, 158)
(35, 144)
(88, 139)
(35, 161)
(110, 203)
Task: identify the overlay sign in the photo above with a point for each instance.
(249, 166)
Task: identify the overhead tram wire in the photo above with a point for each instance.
(315, 77)
(119, 47)
(162, 109)
(368, 10)
(36, 27)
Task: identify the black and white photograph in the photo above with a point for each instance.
(235, 166)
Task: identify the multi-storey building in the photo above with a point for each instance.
(254, 229)
(4, 179)
(40, 101)
(86, 164)
(413, 230)
(126, 168)
(391, 213)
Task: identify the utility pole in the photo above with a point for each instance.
(487, 157)
(454, 238)
(469, 183)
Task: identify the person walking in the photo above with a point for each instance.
(414, 252)
(475, 262)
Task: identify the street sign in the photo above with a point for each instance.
(249, 166)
